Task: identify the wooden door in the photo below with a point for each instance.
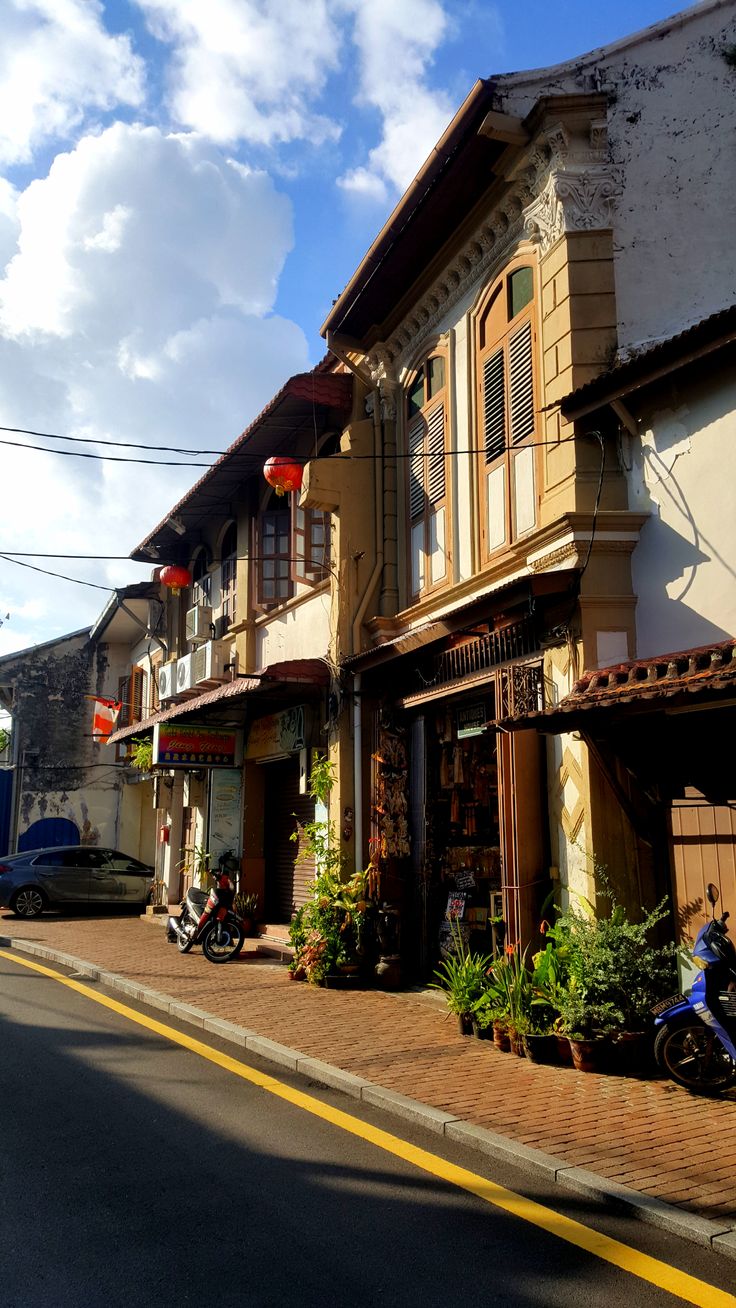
(703, 847)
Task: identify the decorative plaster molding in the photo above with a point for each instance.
(560, 183)
(564, 554)
(577, 198)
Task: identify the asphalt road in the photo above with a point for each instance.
(135, 1172)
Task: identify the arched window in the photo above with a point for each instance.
(507, 410)
(426, 438)
(201, 579)
(229, 576)
(273, 553)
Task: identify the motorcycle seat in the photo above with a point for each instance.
(196, 899)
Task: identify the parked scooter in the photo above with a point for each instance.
(209, 920)
(696, 1040)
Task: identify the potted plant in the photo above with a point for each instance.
(246, 907)
(463, 977)
(141, 753)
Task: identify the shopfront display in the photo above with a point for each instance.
(462, 796)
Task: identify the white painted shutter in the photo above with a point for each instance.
(436, 454)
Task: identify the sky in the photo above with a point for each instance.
(185, 187)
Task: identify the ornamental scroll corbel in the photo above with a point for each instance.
(380, 365)
(574, 199)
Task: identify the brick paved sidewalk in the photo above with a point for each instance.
(648, 1135)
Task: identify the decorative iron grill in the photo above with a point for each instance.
(486, 651)
(521, 690)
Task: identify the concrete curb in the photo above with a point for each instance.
(719, 1236)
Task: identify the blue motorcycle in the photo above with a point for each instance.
(696, 1037)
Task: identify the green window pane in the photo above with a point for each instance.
(435, 375)
(521, 290)
(416, 394)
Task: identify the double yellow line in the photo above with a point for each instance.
(671, 1279)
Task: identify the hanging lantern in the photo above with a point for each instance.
(175, 577)
(283, 473)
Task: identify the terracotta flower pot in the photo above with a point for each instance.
(588, 1055)
(517, 1043)
(501, 1037)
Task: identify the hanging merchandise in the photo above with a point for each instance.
(391, 804)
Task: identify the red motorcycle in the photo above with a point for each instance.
(210, 921)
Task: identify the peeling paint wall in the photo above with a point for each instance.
(62, 772)
(671, 123)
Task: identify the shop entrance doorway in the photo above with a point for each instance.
(287, 871)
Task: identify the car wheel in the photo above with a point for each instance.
(29, 901)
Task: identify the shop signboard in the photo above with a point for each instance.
(279, 734)
(472, 720)
(191, 746)
(225, 824)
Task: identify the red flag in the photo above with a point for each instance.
(105, 716)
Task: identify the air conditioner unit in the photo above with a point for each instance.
(184, 673)
(167, 681)
(209, 661)
(199, 623)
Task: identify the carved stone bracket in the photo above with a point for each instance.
(577, 198)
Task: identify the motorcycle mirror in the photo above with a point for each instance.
(712, 894)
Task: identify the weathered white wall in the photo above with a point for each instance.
(302, 632)
(671, 125)
(681, 472)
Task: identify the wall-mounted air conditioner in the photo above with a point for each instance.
(210, 660)
(167, 681)
(185, 673)
(198, 625)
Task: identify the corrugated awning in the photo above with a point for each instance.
(232, 690)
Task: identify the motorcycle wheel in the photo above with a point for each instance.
(691, 1054)
(229, 947)
(184, 943)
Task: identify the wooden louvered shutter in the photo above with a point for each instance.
(494, 406)
(521, 384)
(436, 455)
(416, 469)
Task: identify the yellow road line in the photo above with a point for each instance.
(681, 1284)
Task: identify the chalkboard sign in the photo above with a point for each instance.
(465, 880)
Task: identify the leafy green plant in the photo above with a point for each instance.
(246, 905)
(605, 972)
(332, 929)
(198, 863)
(141, 753)
(463, 975)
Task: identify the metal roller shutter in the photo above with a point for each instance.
(287, 876)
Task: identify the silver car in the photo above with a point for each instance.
(72, 874)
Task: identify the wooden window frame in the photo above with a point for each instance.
(310, 558)
(261, 600)
(428, 500)
(507, 388)
(229, 579)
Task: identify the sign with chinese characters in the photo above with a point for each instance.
(175, 745)
(279, 733)
(472, 720)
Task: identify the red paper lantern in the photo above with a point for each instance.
(175, 577)
(283, 474)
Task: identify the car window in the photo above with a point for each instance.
(89, 858)
(123, 863)
(54, 858)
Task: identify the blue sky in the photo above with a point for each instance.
(185, 186)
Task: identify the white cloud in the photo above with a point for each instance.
(137, 306)
(248, 69)
(397, 44)
(57, 63)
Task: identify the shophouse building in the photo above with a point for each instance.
(568, 220)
